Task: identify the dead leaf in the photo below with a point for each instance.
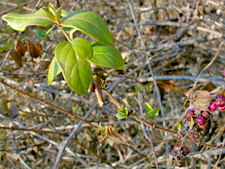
(38, 50)
(16, 57)
(202, 99)
(31, 49)
(20, 48)
(209, 86)
(98, 91)
(34, 50)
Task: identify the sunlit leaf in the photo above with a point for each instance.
(106, 56)
(76, 70)
(89, 23)
(19, 22)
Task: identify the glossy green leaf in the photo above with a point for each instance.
(123, 111)
(179, 127)
(153, 114)
(106, 56)
(89, 23)
(82, 48)
(58, 13)
(148, 107)
(53, 70)
(120, 116)
(49, 13)
(65, 13)
(19, 22)
(76, 71)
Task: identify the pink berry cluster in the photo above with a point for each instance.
(218, 104)
(201, 117)
(178, 152)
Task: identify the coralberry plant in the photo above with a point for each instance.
(73, 57)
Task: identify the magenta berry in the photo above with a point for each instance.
(195, 109)
(200, 120)
(221, 108)
(180, 164)
(203, 126)
(189, 114)
(206, 114)
(212, 107)
(220, 102)
(220, 96)
(185, 150)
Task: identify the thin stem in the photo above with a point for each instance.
(47, 103)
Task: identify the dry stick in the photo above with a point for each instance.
(52, 132)
(93, 153)
(154, 81)
(210, 63)
(45, 102)
(13, 8)
(171, 131)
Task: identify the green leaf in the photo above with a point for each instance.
(138, 89)
(53, 70)
(148, 87)
(2, 135)
(148, 107)
(74, 109)
(40, 33)
(106, 56)
(76, 71)
(89, 23)
(58, 13)
(155, 113)
(120, 116)
(82, 48)
(179, 127)
(65, 13)
(123, 111)
(19, 22)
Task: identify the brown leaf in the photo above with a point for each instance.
(202, 99)
(98, 90)
(31, 49)
(38, 50)
(34, 50)
(16, 57)
(20, 48)
(209, 86)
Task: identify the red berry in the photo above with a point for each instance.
(212, 107)
(195, 109)
(200, 120)
(180, 164)
(203, 126)
(221, 108)
(206, 114)
(189, 114)
(220, 102)
(185, 150)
